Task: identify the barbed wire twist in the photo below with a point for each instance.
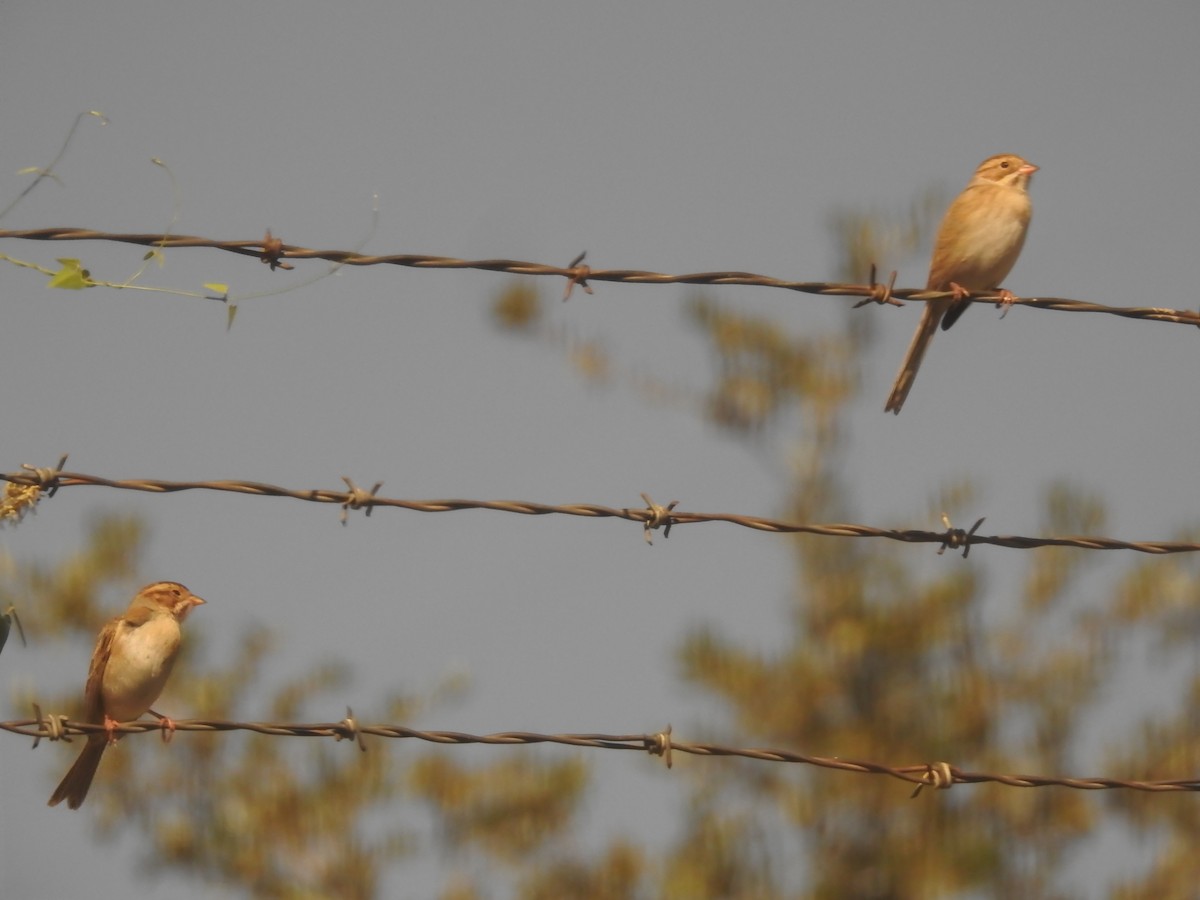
(26, 486)
(941, 775)
(272, 250)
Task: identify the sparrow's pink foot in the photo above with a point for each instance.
(167, 724)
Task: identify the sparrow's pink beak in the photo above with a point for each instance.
(1027, 169)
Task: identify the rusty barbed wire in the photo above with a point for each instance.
(938, 774)
(272, 250)
(19, 498)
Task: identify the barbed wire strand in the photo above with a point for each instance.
(26, 487)
(271, 250)
(940, 775)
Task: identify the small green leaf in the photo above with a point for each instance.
(232, 314)
(7, 618)
(72, 276)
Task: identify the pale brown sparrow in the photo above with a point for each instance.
(977, 245)
(130, 666)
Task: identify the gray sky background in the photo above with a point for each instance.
(672, 136)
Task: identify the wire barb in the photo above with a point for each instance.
(660, 745)
(54, 728)
(21, 497)
(352, 732)
(956, 537)
(47, 479)
(577, 275)
(272, 252)
(939, 775)
(881, 293)
(660, 516)
(357, 498)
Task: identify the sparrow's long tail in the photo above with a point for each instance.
(74, 786)
(934, 310)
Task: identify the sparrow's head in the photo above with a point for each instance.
(1007, 169)
(171, 596)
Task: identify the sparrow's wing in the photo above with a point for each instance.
(93, 701)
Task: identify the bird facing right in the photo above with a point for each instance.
(977, 245)
(131, 663)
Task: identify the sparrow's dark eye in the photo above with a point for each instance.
(1004, 165)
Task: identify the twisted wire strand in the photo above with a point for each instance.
(28, 485)
(940, 775)
(272, 250)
